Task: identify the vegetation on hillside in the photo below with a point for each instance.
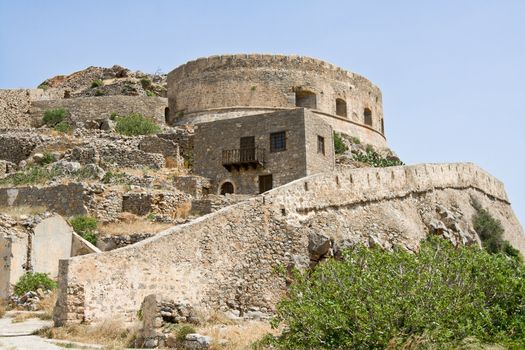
(54, 116)
(374, 159)
(31, 281)
(375, 299)
(339, 145)
(86, 227)
(136, 124)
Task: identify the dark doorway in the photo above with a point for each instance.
(166, 114)
(340, 107)
(368, 116)
(306, 99)
(226, 187)
(247, 149)
(265, 183)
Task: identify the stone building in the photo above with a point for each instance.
(253, 154)
(231, 86)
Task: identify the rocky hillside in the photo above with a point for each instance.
(117, 80)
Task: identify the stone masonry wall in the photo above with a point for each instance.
(225, 260)
(89, 108)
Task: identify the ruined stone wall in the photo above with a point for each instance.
(100, 107)
(198, 90)
(15, 105)
(225, 260)
(65, 200)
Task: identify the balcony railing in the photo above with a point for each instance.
(242, 157)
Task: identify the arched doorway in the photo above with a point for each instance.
(226, 187)
(368, 116)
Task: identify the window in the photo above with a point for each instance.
(320, 144)
(247, 149)
(265, 183)
(226, 187)
(306, 99)
(166, 114)
(382, 126)
(368, 116)
(340, 107)
(278, 141)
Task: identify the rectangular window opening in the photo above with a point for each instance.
(320, 144)
(278, 141)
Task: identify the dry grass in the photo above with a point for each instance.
(47, 305)
(237, 336)
(110, 333)
(171, 163)
(132, 224)
(2, 308)
(18, 211)
(183, 211)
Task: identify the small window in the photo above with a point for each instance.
(166, 114)
(368, 116)
(226, 188)
(278, 141)
(340, 107)
(382, 126)
(320, 144)
(306, 99)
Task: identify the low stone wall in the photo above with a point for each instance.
(65, 200)
(90, 108)
(226, 260)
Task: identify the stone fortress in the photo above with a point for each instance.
(243, 178)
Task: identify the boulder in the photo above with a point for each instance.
(318, 245)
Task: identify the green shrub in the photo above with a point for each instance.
(43, 86)
(490, 232)
(339, 145)
(374, 159)
(99, 92)
(97, 83)
(85, 226)
(372, 299)
(115, 178)
(63, 127)
(355, 140)
(150, 93)
(54, 116)
(113, 116)
(136, 124)
(31, 281)
(146, 83)
(182, 331)
(47, 158)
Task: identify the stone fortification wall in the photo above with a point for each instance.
(15, 105)
(226, 259)
(208, 88)
(90, 108)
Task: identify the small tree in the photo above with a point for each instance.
(136, 124)
(54, 116)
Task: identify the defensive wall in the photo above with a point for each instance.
(102, 107)
(226, 259)
(229, 86)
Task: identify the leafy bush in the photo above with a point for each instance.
(491, 231)
(182, 331)
(372, 299)
(374, 159)
(339, 145)
(97, 83)
(150, 93)
(99, 92)
(136, 124)
(146, 83)
(115, 178)
(43, 86)
(85, 226)
(63, 127)
(31, 281)
(54, 116)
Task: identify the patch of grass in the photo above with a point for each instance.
(2, 308)
(47, 305)
(355, 140)
(150, 93)
(112, 334)
(54, 116)
(115, 178)
(113, 116)
(134, 225)
(18, 211)
(63, 127)
(181, 331)
(96, 83)
(339, 145)
(99, 92)
(86, 227)
(31, 281)
(136, 124)
(30, 176)
(47, 158)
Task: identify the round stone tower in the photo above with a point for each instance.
(231, 86)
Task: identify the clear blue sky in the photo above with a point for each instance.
(452, 72)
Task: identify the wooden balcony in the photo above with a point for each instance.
(242, 158)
